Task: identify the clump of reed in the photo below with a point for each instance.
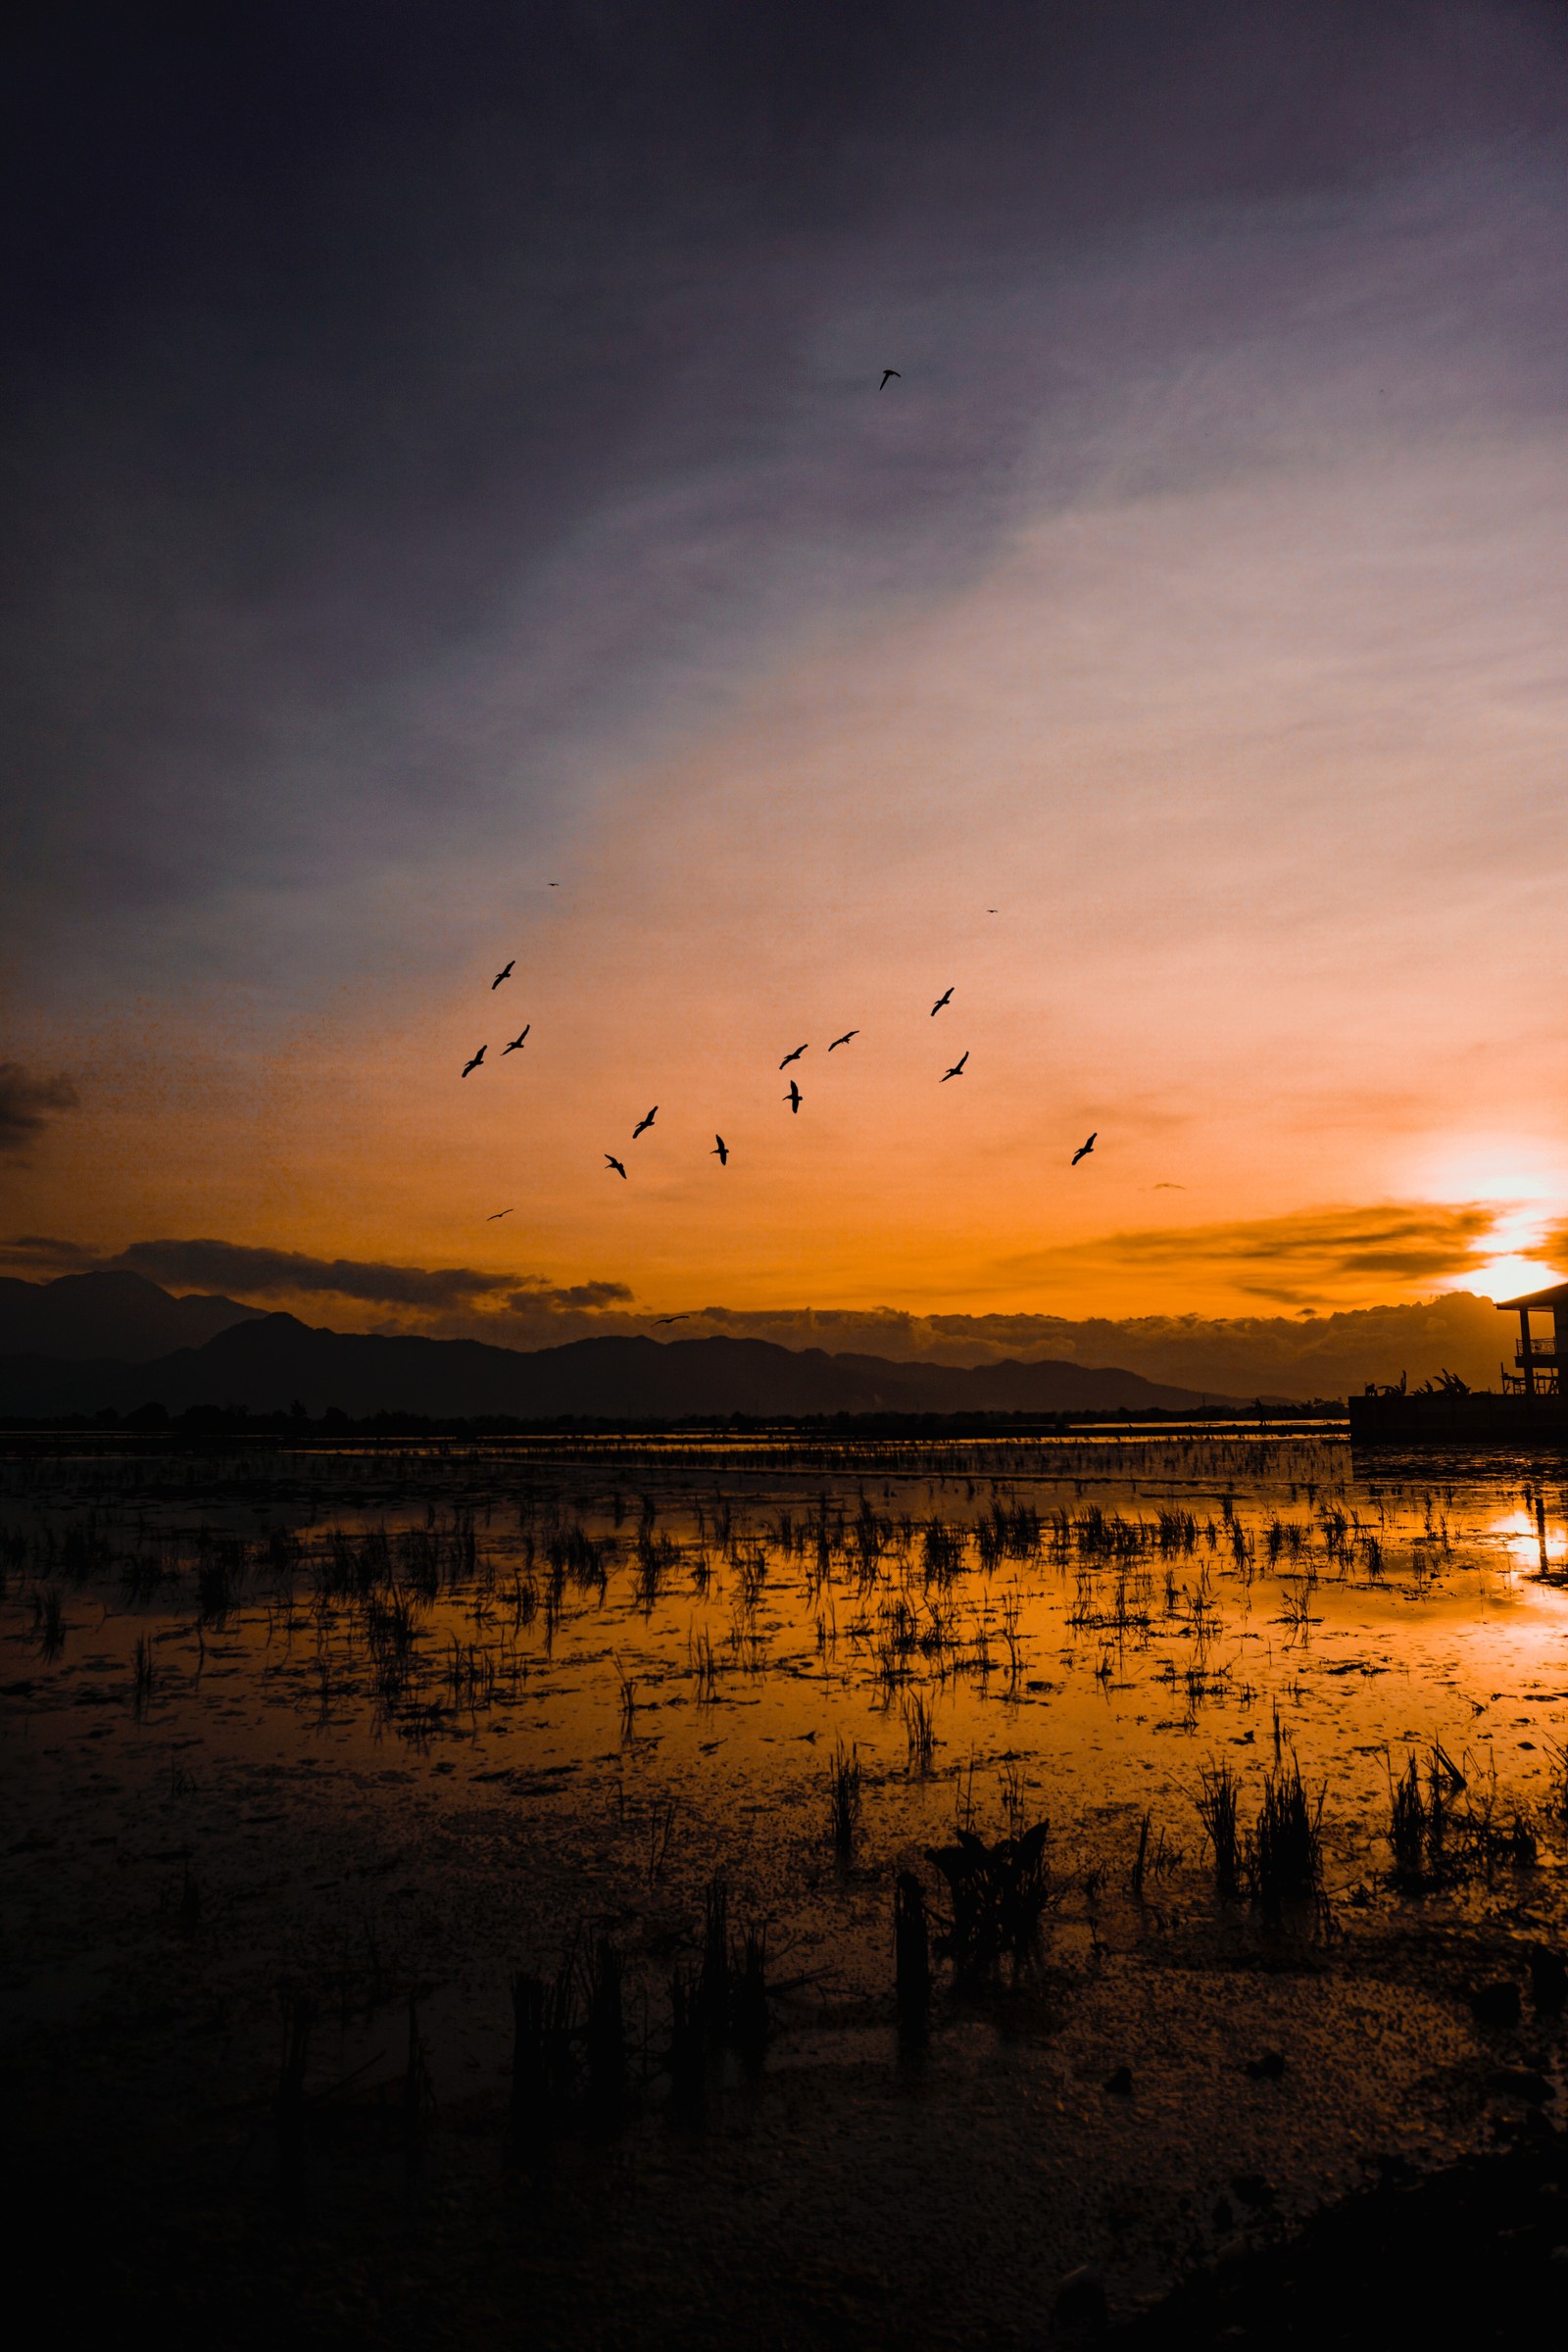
(1008, 1533)
(844, 1800)
(1280, 1860)
(720, 2004)
(1155, 1858)
(942, 1551)
(1217, 1809)
(629, 1702)
(1441, 1829)
(1000, 1895)
(1285, 1852)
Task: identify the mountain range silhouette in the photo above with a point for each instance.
(265, 1362)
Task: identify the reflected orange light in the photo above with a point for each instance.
(1516, 1534)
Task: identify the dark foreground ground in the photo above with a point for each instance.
(578, 2250)
(1477, 2254)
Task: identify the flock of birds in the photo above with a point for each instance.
(793, 1097)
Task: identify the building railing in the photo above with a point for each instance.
(1539, 1352)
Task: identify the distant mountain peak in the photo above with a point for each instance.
(108, 1311)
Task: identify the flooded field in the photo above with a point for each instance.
(466, 1880)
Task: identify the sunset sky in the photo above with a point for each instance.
(447, 460)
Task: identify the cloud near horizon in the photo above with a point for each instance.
(26, 1106)
(1302, 1259)
(249, 1272)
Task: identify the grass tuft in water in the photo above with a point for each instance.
(1285, 1852)
(844, 1800)
(1000, 1895)
(1218, 1798)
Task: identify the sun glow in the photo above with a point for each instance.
(1526, 1197)
(1507, 1277)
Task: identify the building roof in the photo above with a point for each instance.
(1557, 1295)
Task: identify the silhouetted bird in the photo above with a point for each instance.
(941, 1001)
(642, 1123)
(495, 1213)
(613, 1162)
(886, 373)
(957, 1070)
(504, 974)
(788, 1058)
(1170, 1187)
(475, 1063)
(684, 1317)
(1084, 1149)
(843, 1040)
(720, 1152)
(793, 1097)
(518, 1040)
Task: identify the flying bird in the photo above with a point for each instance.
(1170, 1187)
(611, 1161)
(793, 1097)
(642, 1123)
(518, 1040)
(941, 1001)
(475, 1063)
(684, 1316)
(1083, 1149)
(495, 1213)
(886, 373)
(795, 1056)
(957, 1070)
(504, 973)
(843, 1040)
(720, 1152)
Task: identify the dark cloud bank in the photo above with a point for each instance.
(28, 1104)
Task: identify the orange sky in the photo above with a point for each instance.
(1253, 913)
(1195, 600)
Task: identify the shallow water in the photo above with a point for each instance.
(372, 1721)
